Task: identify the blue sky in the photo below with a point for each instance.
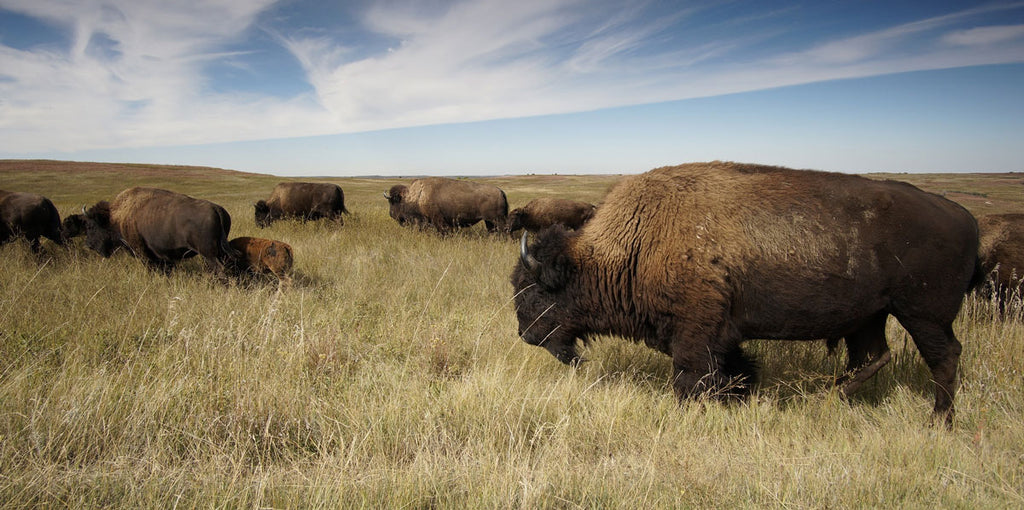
(482, 87)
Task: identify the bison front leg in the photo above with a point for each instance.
(712, 366)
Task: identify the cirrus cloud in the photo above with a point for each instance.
(141, 73)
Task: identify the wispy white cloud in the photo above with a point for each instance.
(984, 36)
(135, 72)
(132, 74)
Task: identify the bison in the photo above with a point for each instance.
(30, 216)
(263, 256)
(162, 227)
(694, 259)
(448, 204)
(304, 200)
(540, 213)
(1002, 256)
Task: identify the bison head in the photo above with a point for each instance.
(263, 215)
(515, 220)
(100, 234)
(74, 225)
(544, 300)
(399, 208)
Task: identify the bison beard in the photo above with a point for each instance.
(695, 259)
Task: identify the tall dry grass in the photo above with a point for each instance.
(391, 375)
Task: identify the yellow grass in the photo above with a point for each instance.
(390, 375)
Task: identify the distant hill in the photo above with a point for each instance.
(47, 165)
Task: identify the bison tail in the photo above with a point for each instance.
(230, 257)
(978, 277)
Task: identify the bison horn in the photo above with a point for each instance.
(529, 261)
(387, 196)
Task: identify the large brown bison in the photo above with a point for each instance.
(1002, 256)
(161, 227)
(303, 200)
(541, 213)
(447, 204)
(264, 256)
(30, 216)
(694, 259)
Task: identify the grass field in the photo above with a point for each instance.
(390, 375)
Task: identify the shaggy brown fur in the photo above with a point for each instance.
(162, 227)
(303, 200)
(264, 256)
(447, 204)
(29, 216)
(694, 259)
(1002, 256)
(541, 213)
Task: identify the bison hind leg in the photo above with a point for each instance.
(941, 350)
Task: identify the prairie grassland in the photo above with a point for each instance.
(390, 375)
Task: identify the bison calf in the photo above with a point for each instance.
(263, 256)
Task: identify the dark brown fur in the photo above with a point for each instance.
(694, 259)
(447, 204)
(303, 200)
(1002, 256)
(264, 256)
(541, 213)
(161, 227)
(29, 216)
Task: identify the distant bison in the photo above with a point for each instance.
(161, 227)
(29, 216)
(447, 204)
(303, 200)
(264, 256)
(695, 259)
(541, 213)
(1002, 256)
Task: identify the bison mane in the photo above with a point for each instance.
(100, 213)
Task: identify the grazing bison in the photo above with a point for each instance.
(448, 204)
(30, 216)
(162, 227)
(541, 213)
(304, 200)
(1002, 256)
(695, 259)
(263, 256)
